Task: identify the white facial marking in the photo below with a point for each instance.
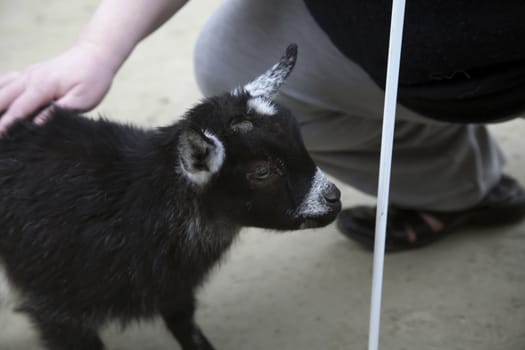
(9, 296)
(214, 161)
(261, 105)
(218, 155)
(314, 204)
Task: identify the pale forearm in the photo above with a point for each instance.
(119, 25)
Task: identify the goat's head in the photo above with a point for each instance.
(247, 156)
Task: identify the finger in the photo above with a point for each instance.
(9, 93)
(7, 78)
(77, 100)
(43, 116)
(73, 100)
(28, 102)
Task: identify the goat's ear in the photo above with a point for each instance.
(201, 155)
(267, 85)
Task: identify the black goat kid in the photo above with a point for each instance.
(101, 221)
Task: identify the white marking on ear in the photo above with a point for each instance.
(218, 154)
(214, 161)
(314, 203)
(261, 105)
(9, 295)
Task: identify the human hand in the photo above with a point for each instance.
(77, 79)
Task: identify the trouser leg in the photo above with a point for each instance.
(436, 166)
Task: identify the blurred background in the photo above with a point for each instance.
(299, 290)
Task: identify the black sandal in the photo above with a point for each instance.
(409, 229)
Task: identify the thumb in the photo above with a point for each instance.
(76, 102)
(81, 99)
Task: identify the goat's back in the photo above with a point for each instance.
(77, 199)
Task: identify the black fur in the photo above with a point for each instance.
(98, 222)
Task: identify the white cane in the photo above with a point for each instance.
(387, 138)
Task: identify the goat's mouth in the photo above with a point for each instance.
(320, 220)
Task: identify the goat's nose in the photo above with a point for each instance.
(332, 195)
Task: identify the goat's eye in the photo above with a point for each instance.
(262, 173)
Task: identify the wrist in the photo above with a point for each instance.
(108, 55)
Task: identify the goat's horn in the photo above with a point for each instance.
(269, 83)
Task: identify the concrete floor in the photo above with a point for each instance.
(302, 290)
